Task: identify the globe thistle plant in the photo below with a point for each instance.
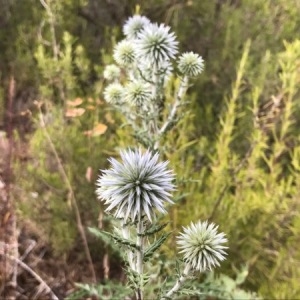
(136, 189)
(137, 186)
(202, 246)
(124, 53)
(134, 25)
(190, 64)
(156, 44)
(146, 57)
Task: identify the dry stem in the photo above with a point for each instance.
(72, 196)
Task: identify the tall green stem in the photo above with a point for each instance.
(139, 259)
(126, 235)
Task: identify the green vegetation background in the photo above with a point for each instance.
(236, 152)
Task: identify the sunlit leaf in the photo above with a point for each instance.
(99, 129)
(75, 102)
(74, 112)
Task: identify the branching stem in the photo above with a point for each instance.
(172, 114)
(178, 283)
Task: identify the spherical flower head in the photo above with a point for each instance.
(124, 53)
(202, 246)
(112, 72)
(114, 93)
(137, 186)
(190, 64)
(138, 93)
(134, 25)
(156, 44)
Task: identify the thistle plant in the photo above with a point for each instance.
(148, 58)
(137, 190)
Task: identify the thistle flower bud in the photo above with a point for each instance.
(114, 93)
(124, 53)
(137, 186)
(112, 72)
(156, 44)
(138, 93)
(202, 246)
(134, 25)
(190, 64)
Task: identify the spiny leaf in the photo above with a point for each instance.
(125, 242)
(149, 252)
(153, 229)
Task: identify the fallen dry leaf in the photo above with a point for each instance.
(99, 129)
(75, 102)
(74, 112)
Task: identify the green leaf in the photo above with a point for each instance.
(154, 229)
(102, 234)
(150, 251)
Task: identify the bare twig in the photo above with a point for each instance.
(71, 193)
(29, 249)
(105, 260)
(52, 28)
(33, 273)
(10, 234)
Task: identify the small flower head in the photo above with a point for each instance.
(134, 25)
(190, 64)
(124, 53)
(112, 72)
(202, 246)
(156, 44)
(114, 93)
(137, 186)
(137, 93)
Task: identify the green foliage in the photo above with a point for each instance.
(224, 287)
(67, 147)
(253, 193)
(52, 207)
(110, 290)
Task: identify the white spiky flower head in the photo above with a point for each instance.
(138, 92)
(137, 186)
(202, 246)
(156, 44)
(114, 93)
(112, 72)
(124, 53)
(134, 25)
(190, 64)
